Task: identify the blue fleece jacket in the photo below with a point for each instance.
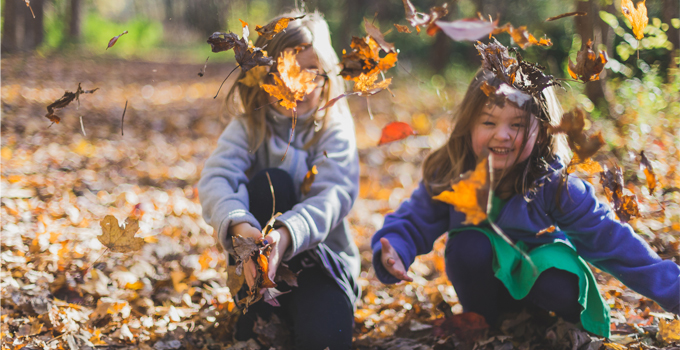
(580, 219)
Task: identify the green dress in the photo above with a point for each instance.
(518, 275)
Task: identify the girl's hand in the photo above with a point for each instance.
(392, 262)
(280, 240)
(246, 230)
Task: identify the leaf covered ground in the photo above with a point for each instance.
(62, 289)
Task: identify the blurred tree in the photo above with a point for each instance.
(20, 31)
(206, 16)
(75, 12)
(671, 9)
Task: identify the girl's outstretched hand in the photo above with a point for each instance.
(247, 230)
(392, 262)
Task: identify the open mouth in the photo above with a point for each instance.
(500, 150)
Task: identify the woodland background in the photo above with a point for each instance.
(61, 289)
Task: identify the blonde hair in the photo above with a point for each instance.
(249, 102)
(446, 164)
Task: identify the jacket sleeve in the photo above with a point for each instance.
(612, 246)
(411, 230)
(333, 192)
(222, 187)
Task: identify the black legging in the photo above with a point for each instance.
(318, 310)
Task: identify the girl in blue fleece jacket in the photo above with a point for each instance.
(532, 194)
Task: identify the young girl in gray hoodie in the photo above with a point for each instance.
(312, 235)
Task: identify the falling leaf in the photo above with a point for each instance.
(573, 124)
(470, 194)
(467, 29)
(365, 59)
(247, 57)
(64, 101)
(292, 84)
(521, 36)
(669, 331)
(402, 28)
(275, 27)
(115, 39)
(636, 15)
(568, 14)
(588, 65)
(649, 172)
(306, 185)
(395, 131)
(202, 71)
(120, 239)
(375, 33)
(550, 229)
(496, 58)
(28, 4)
(255, 76)
(625, 206)
(419, 19)
(588, 166)
(246, 31)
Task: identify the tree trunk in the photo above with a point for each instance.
(33, 27)
(9, 27)
(74, 20)
(671, 9)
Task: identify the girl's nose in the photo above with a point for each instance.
(503, 134)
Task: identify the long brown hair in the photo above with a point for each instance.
(249, 102)
(446, 164)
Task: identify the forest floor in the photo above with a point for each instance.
(61, 289)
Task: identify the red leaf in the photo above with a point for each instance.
(395, 131)
(115, 39)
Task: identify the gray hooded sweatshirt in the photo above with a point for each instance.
(318, 221)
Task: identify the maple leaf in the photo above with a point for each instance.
(364, 85)
(306, 185)
(64, 101)
(588, 65)
(625, 206)
(293, 83)
(117, 238)
(568, 14)
(115, 39)
(636, 15)
(521, 36)
(649, 172)
(365, 58)
(274, 27)
(573, 124)
(470, 194)
(467, 29)
(402, 28)
(395, 131)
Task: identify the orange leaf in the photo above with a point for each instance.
(365, 58)
(205, 260)
(649, 172)
(550, 229)
(521, 36)
(402, 28)
(588, 65)
(487, 89)
(306, 185)
(395, 131)
(573, 124)
(274, 27)
(293, 83)
(588, 166)
(637, 16)
(470, 194)
(263, 263)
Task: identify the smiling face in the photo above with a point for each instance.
(308, 60)
(501, 131)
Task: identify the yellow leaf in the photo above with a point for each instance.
(135, 286)
(365, 83)
(255, 76)
(205, 260)
(637, 16)
(669, 331)
(120, 239)
(469, 193)
(306, 185)
(292, 83)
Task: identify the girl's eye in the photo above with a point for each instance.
(488, 123)
(518, 125)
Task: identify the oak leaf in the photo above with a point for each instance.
(589, 64)
(292, 83)
(306, 185)
(115, 39)
(521, 36)
(274, 27)
(120, 239)
(470, 194)
(636, 15)
(395, 131)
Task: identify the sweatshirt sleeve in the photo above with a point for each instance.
(612, 246)
(222, 187)
(411, 230)
(333, 192)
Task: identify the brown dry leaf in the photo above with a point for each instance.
(488, 89)
(292, 83)
(244, 248)
(375, 33)
(550, 229)
(625, 206)
(274, 27)
(572, 124)
(496, 58)
(115, 39)
(521, 36)
(419, 19)
(365, 59)
(234, 280)
(669, 331)
(306, 185)
(255, 76)
(64, 101)
(247, 57)
(588, 65)
(402, 28)
(649, 172)
(120, 239)
(568, 14)
(283, 273)
(636, 15)
(469, 195)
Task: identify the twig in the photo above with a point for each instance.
(28, 4)
(82, 127)
(271, 188)
(122, 119)
(368, 106)
(225, 80)
(271, 103)
(202, 71)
